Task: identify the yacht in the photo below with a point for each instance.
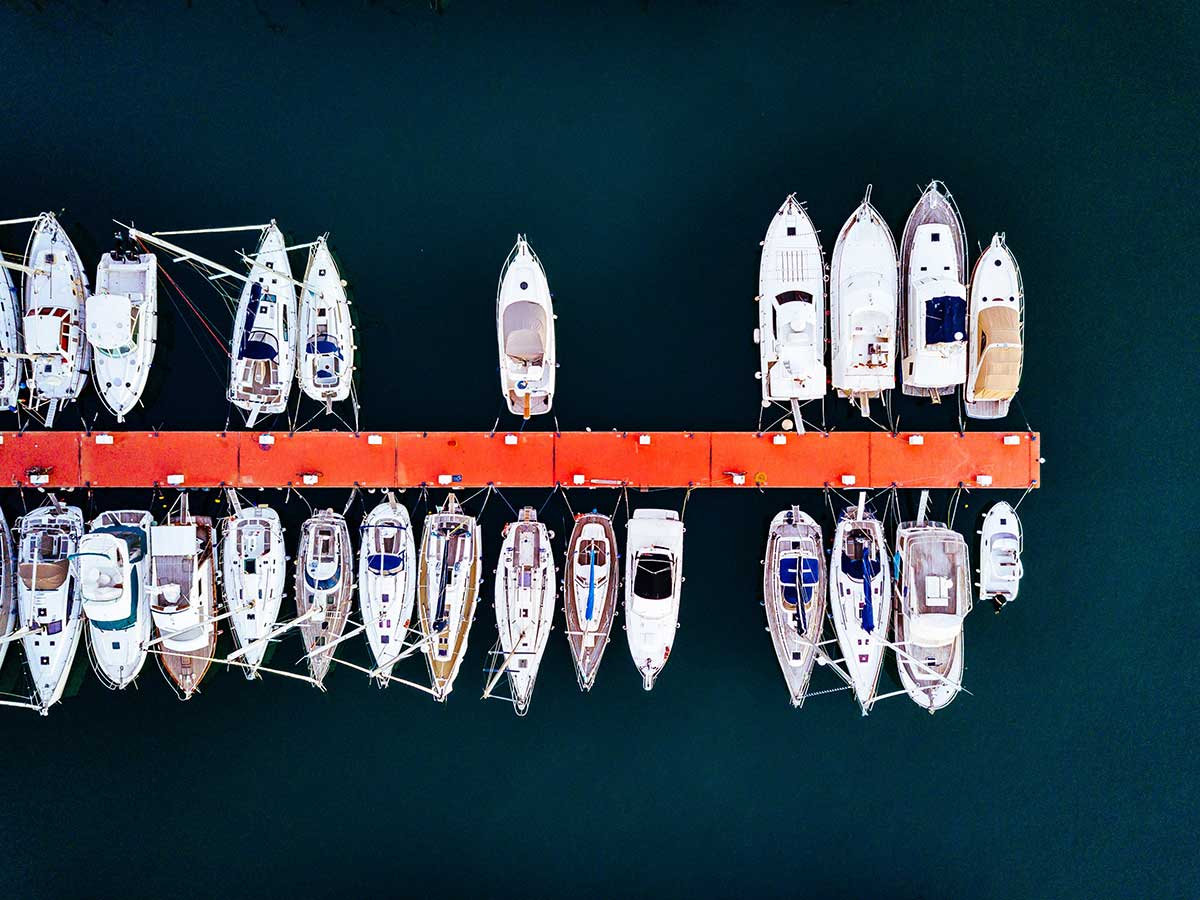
(447, 591)
(794, 596)
(254, 569)
(10, 342)
(326, 346)
(122, 328)
(387, 583)
(653, 579)
(324, 588)
(1001, 543)
(114, 581)
(8, 589)
(997, 332)
(525, 592)
(525, 333)
(933, 316)
(591, 584)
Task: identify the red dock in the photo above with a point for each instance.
(402, 459)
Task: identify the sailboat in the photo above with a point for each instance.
(8, 588)
(47, 597)
(324, 587)
(794, 596)
(860, 598)
(862, 307)
(10, 342)
(122, 327)
(114, 584)
(591, 584)
(525, 591)
(1000, 567)
(387, 582)
(525, 333)
(997, 332)
(254, 566)
(933, 316)
(653, 580)
(447, 591)
(326, 352)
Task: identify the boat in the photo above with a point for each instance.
(114, 582)
(10, 342)
(997, 332)
(525, 591)
(47, 597)
(56, 291)
(653, 579)
(8, 589)
(791, 310)
(1001, 544)
(122, 327)
(387, 583)
(183, 597)
(933, 316)
(326, 352)
(862, 307)
(447, 591)
(591, 585)
(794, 596)
(254, 570)
(263, 358)
(324, 588)
(860, 598)
(525, 333)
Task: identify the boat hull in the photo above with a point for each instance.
(387, 583)
(324, 588)
(254, 568)
(795, 607)
(862, 647)
(587, 591)
(524, 601)
(447, 591)
(653, 583)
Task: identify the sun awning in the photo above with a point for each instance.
(524, 331)
(1000, 366)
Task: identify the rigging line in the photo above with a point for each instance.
(686, 497)
(616, 506)
(1023, 496)
(349, 502)
(546, 502)
(220, 343)
(486, 498)
(567, 500)
(506, 503)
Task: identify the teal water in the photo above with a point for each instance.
(643, 147)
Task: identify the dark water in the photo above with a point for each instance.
(643, 148)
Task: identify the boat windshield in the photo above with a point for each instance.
(260, 345)
(653, 578)
(793, 297)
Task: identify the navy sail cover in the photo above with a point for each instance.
(945, 320)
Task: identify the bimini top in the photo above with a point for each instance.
(46, 331)
(324, 345)
(945, 319)
(259, 345)
(110, 321)
(1000, 366)
(524, 331)
(134, 538)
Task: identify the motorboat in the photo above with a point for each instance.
(525, 332)
(447, 591)
(653, 579)
(324, 588)
(122, 327)
(860, 598)
(591, 585)
(8, 589)
(933, 316)
(114, 586)
(1001, 544)
(326, 349)
(387, 583)
(862, 307)
(997, 332)
(11, 368)
(525, 592)
(254, 570)
(47, 597)
(794, 593)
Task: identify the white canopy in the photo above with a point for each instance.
(109, 321)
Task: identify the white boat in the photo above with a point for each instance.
(997, 332)
(862, 307)
(653, 579)
(254, 566)
(526, 585)
(114, 585)
(47, 597)
(11, 367)
(791, 308)
(860, 598)
(324, 588)
(525, 333)
(447, 591)
(326, 349)
(387, 582)
(56, 292)
(933, 316)
(8, 589)
(592, 585)
(794, 593)
(122, 328)
(1001, 544)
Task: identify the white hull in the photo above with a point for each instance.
(1001, 544)
(997, 332)
(525, 333)
(324, 588)
(253, 557)
(653, 580)
(122, 328)
(387, 582)
(326, 348)
(10, 342)
(860, 600)
(794, 595)
(525, 589)
(8, 587)
(591, 584)
(183, 598)
(114, 576)
(263, 353)
(447, 591)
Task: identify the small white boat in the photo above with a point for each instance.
(447, 591)
(860, 598)
(387, 582)
(933, 316)
(114, 584)
(862, 307)
(324, 588)
(8, 588)
(997, 332)
(254, 566)
(46, 597)
(525, 588)
(326, 352)
(591, 584)
(11, 368)
(1000, 567)
(525, 332)
(794, 593)
(122, 328)
(653, 580)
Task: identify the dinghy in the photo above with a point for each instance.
(997, 331)
(10, 343)
(326, 353)
(447, 591)
(324, 588)
(933, 316)
(1000, 568)
(254, 566)
(525, 330)
(525, 590)
(862, 307)
(794, 596)
(653, 578)
(8, 588)
(122, 328)
(387, 583)
(591, 583)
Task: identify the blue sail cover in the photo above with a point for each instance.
(788, 567)
(587, 614)
(251, 312)
(945, 320)
(810, 576)
(258, 349)
(323, 344)
(383, 563)
(868, 612)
